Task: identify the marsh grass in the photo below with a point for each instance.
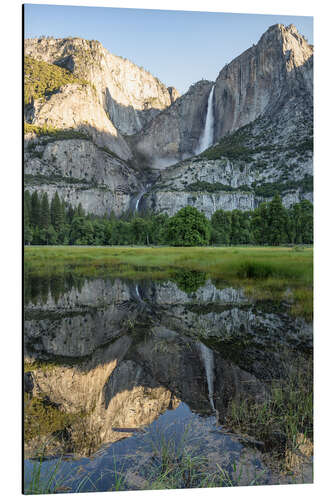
(175, 462)
(179, 463)
(47, 477)
(283, 422)
(41, 483)
(173, 466)
(264, 272)
(53, 478)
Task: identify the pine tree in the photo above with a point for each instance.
(236, 230)
(56, 212)
(277, 218)
(51, 235)
(70, 213)
(63, 211)
(28, 234)
(44, 220)
(27, 208)
(35, 209)
(306, 221)
(259, 224)
(80, 211)
(221, 227)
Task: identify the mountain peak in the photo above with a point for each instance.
(284, 34)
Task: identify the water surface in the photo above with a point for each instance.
(137, 364)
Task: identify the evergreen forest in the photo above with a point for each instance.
(56, 222)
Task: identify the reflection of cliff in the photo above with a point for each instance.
(123, 354)
(78, 321)
(75, 323)
(127, 385)
(107, 392)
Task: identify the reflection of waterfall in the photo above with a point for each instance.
(138, 121)
(207, 356)
(138, 295)
(207, 136)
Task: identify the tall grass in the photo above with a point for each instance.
(168, 469)
(283, 422)
(177, 463)
(267, 270)
(36, 484)
(54, 479)
(253, 262)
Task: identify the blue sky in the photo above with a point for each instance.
(178, 47)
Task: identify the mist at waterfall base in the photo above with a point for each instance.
(207, 136)
(162, 163)
(205, 141)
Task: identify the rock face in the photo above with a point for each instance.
(171, 201)
(174, 133)
(241, 170)
(141, 137)
(81, 172)
(263, 79)
(263, 116)
(118, 98)
(130, 95)
(174, 94)
(76, 107)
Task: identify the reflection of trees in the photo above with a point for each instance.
(37, 288)
(57, 284)
(189, 281)
(44, 290)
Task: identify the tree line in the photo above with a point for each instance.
(57, 222)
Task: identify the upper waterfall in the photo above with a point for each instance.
(207, 136)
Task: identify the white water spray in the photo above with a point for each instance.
(207, 357)
(207, 135)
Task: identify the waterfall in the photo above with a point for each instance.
(138, 201)
(207, 135)
(139, 197)
(207, 357)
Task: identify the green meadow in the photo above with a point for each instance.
(265, 273)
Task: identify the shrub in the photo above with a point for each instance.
(255, 270)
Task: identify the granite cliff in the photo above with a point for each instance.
(129, 95)
(117, 135)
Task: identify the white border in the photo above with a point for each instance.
(11, 241)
